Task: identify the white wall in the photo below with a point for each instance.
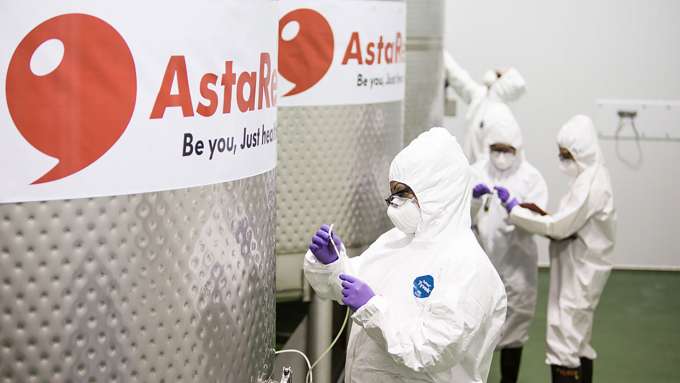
(573, 52)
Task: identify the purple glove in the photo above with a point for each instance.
(511, 205)
(503, 193)
(355, 293)
(480, 190)
(321, 245)
(504, 196)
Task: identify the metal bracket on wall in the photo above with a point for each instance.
(638, 120)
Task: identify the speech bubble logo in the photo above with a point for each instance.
(76, 108)
(305, 48)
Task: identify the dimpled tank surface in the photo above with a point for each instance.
(174, 286)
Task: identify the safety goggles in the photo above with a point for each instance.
(502, 148)
(399, 198)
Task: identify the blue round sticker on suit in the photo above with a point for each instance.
(423, 286)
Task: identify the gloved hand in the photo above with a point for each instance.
(321, 245)
(355, 293)
(480, 190)
(503, 193)
(511, 205)
(504, 196)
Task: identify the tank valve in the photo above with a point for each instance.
(287, 375)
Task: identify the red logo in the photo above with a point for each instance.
(306, 57)
(77, 111)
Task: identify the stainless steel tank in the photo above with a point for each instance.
(174, 286)
(171, 286)
(424, 103)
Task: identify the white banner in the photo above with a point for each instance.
(117, 97)
(341, 52)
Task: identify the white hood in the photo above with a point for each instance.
(435, 168)
(578, 135)
(501, 126)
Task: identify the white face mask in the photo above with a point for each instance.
(502, 161)
(489, 78)
(569, 167)
(405, 217)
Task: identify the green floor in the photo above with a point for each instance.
(636, 332)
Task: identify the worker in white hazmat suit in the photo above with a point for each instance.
(428, 304)
(512, 250)
(502, 86)
(582, 233)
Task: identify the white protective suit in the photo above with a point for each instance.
(509, 87)
(582, 233)
(512, 250)
(439, 305)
